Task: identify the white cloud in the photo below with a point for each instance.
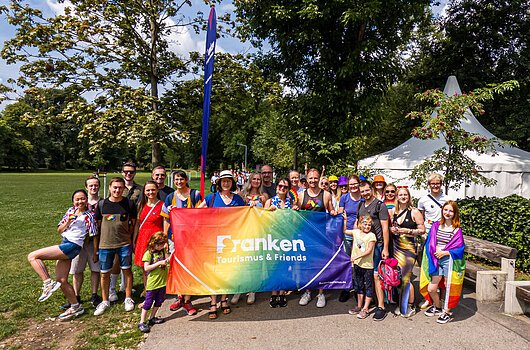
(228, 8)
(58, 7)
(182, 42)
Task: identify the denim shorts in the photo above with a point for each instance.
(443, 267)
(378, 256)
(71, 250)
(106, 258)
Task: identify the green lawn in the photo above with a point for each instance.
(31, 205)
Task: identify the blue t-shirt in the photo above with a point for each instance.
(218, 202)
(350, 207)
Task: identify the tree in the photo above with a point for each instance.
(482, 42)
(243, 103)
(48, 142)
(336, 58)
(443, 119)
(118, 51)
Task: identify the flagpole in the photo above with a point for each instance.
(208, 74)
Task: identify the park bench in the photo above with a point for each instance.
(490, 283)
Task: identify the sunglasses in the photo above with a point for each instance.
(282, 187)
(325, 184)
(390, 191)
(403, 187)
(129, 172)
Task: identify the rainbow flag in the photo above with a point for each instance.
(243, 249)
(457, 265)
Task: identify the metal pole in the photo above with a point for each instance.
(245, 154)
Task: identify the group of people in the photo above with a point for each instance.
(380, 222)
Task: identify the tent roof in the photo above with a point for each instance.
(414, 151)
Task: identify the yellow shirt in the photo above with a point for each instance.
(360, 244)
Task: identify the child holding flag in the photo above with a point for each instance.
(443, 263)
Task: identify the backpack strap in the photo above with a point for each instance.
(434, 200)
(100, 205)
(194, 197)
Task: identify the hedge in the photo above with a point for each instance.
(501, 220)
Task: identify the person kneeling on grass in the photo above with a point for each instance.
(362, 256)
(74, 226)
(155, 262)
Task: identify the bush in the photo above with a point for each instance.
(499, 220)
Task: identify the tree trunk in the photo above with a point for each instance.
(156, 154)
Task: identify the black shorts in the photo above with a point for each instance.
(364, 281)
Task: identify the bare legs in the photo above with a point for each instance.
(62, 269)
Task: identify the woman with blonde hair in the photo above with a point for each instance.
(253, 193)
(407, 223)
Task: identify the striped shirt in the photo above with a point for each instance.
(443, 237)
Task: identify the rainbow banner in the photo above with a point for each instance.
(243, 249)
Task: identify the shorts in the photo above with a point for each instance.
(364, 281)
(106, 258)
(86, 255)
(71, 250)
(156, 295)
(378, 256)
(443, 267)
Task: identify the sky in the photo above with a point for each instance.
(183, 42)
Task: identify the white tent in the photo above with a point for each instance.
(510, 167)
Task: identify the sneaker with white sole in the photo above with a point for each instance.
(444, 318)
(113, 295)
(411, 311)
(433, 311)
(251, 299)
(425, 304)
(128, 304)
(305, 299)
(71, 312)
(235, 299)
(100, 309)
(48, 289)
(321, 300)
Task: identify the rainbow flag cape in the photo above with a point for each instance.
(457, 265)
(243, 249)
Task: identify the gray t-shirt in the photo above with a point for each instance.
(270, 191)
(377, 211)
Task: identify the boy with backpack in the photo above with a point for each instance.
(362, 256)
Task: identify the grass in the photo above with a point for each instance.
(32, 204)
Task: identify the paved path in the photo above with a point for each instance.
(476, 326)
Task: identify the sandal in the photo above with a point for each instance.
(226, 309)
(212, 314)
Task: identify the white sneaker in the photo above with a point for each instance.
(425, 304)
(251, 299)
(235, 299)
(100, 309)
(321, 300)
(129, 304)
(113, 296)
(71, 312)
(48, 289)
(305, 299)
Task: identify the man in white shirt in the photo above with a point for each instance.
(431, 208)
